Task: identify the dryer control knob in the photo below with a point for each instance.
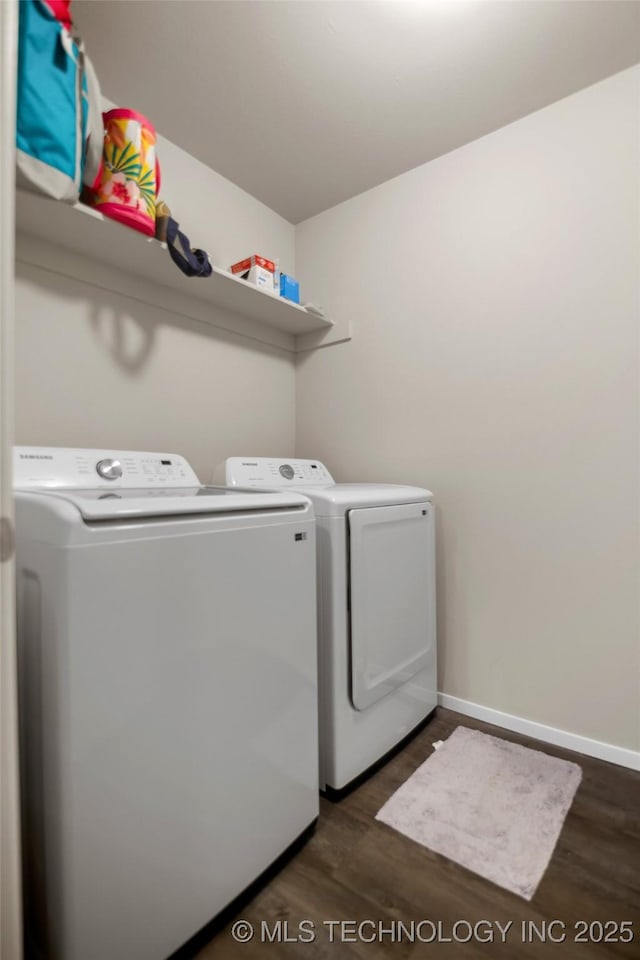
(286, 471)
(109, 469)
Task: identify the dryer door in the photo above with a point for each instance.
(392, 597)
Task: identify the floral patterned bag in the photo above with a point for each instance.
(128, 181)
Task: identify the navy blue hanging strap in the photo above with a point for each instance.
(192, 262)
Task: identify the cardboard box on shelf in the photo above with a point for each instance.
(257, 270)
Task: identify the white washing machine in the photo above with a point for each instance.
(376, 608)
(167, 651)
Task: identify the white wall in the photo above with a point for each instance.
(96, 368)
(493, 296)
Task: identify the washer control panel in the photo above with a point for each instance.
(81, 469)
(270, 472)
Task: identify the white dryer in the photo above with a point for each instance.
(167, 645)
(376, 608)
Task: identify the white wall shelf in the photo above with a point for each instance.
(87, 233)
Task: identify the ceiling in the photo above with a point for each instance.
(304, 103)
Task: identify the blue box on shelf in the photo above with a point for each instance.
(289, 288)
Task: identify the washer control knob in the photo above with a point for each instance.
(109, 469)
(286, 471)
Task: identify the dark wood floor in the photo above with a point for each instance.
(354, 868)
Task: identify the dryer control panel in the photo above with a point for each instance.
(273, 472)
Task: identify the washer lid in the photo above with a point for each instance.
(171, 501)
(334, 501)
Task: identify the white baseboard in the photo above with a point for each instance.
(539, 731)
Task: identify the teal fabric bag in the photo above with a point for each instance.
(59, 131)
